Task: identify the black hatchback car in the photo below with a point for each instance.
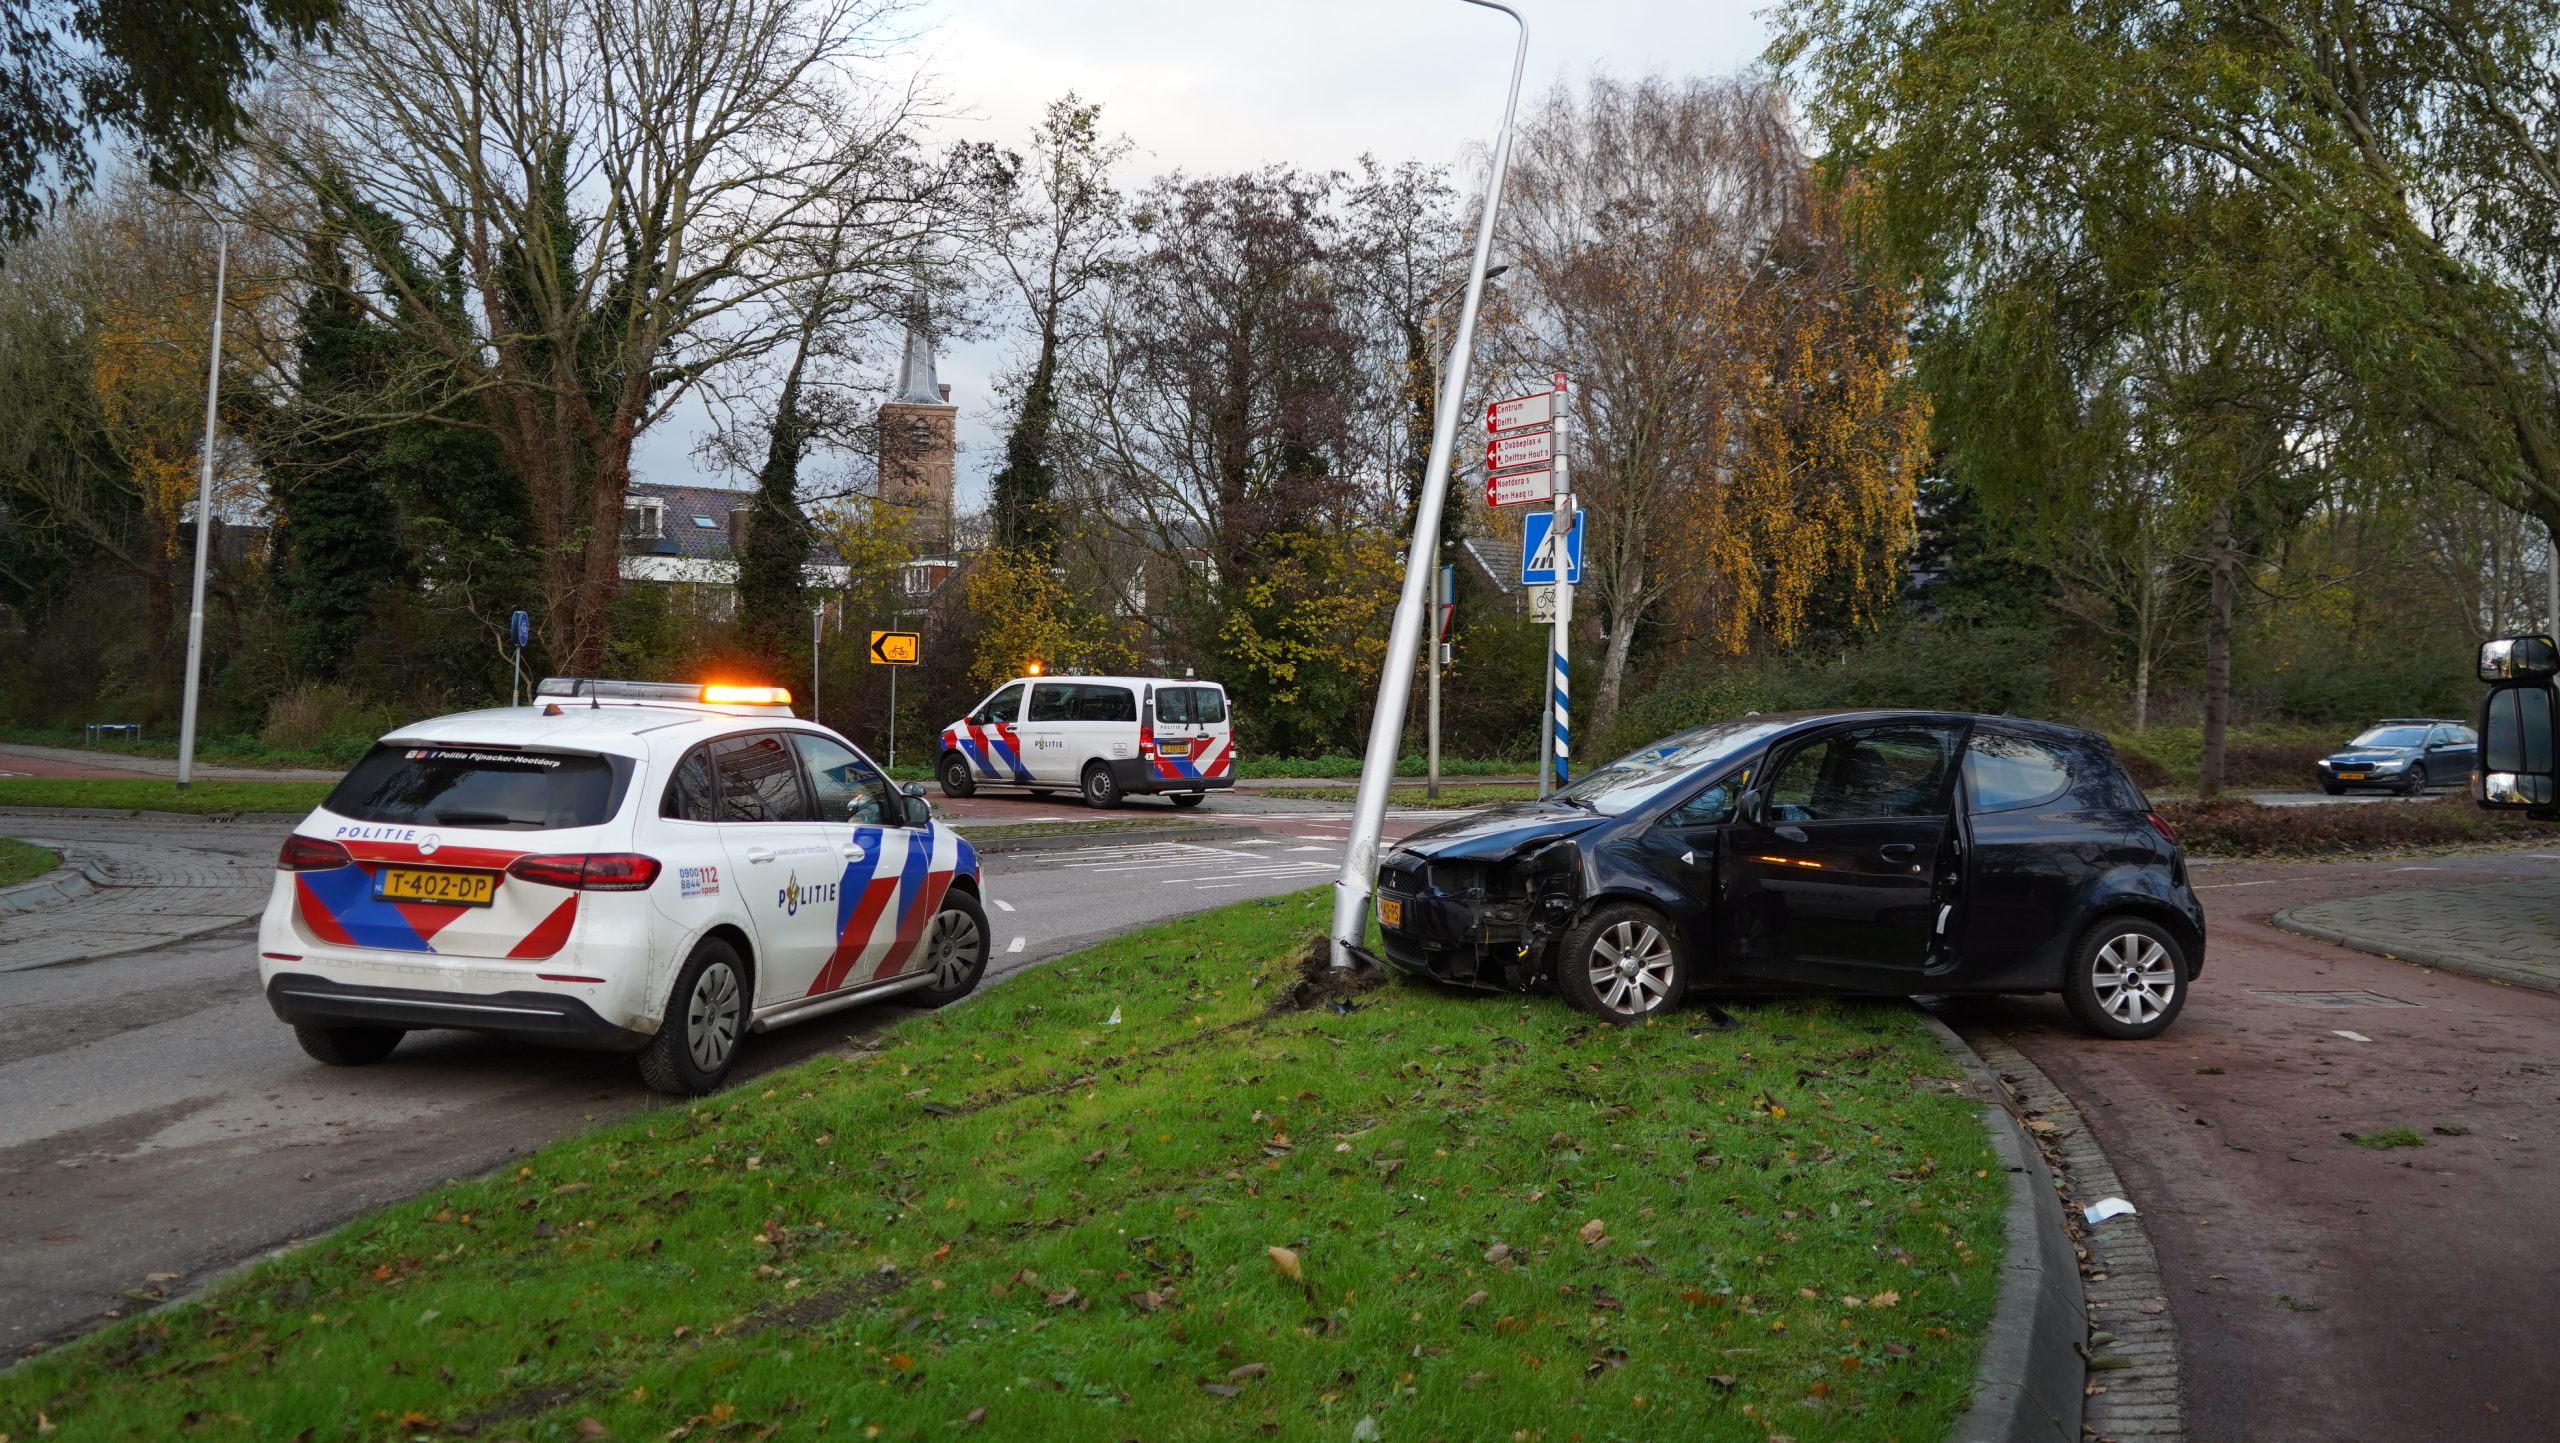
(1884, 853)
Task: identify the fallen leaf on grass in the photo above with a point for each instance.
(1248, 1370)
(1497, 1252)
(1478, 1296)
(1286, 1260)
(1593, 1231)
(976, 1416)
(1220, 1390)
(593, 1428)
(1885, 1299)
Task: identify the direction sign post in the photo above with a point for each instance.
(1567, 524)
(519, 631)
(894, 649)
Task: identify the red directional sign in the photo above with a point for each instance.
(1519, 488)
(1511, 450)
(1535, 409)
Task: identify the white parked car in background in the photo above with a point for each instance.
(642, 866)
(1104, 736)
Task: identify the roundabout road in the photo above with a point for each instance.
(2325, 1290)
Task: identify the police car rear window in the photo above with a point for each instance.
(460, 786)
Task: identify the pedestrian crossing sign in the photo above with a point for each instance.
(1548, 556)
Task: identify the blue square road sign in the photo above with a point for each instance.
(1545, 557)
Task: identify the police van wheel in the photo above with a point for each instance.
(347, 1046)
(1101, 789)
(705, 1023)
(1189, 799)
(956, 780)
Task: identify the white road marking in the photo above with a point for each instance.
(2417, 869)
(2214, 886)
(2351, 1036)
(1259, 842)
(1015, 945)
(1004, 906)
(1311, 849)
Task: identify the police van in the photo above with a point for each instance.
(1104, 736)
(647, 867)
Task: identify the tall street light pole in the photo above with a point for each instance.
(204, 519)
(1395, 683)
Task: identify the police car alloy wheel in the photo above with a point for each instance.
(697, 1041)
(955, 951)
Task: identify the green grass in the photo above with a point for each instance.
(212, 748)
(1014, 1221)
(1250, 765)
(150, 794)
(1012, 831)
(1404, 796)
(2387, 1138)
(23, 861)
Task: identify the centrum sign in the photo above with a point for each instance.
(1519, 450)
(1538, 408)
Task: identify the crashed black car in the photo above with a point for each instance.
(1884, 853)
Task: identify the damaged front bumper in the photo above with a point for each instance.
(1476, 924)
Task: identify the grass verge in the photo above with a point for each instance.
(1404, 796)
(1014, 831)
(2234, 827)
(150, 794)
(212, 748)
(1348, 767)
(1458, 1215)
(23, 861)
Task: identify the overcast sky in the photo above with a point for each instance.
(1214, 85)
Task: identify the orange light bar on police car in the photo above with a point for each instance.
(718, 695)
(1035, 668)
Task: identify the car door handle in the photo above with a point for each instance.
(759, 854)
(1897, 851)
(851, 852)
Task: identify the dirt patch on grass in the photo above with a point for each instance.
(1320, 982)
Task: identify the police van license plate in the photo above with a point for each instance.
(1390, 911)
(457, 889)
(1174, 747)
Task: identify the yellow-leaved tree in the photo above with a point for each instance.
(1027, 614)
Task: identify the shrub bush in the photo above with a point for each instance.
(2237, 827)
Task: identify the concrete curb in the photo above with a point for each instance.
(2424, 956)
(63, 884)
(1070, 842)
(2027, 1387)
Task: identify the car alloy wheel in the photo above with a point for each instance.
(711, 1017)
(2417, 784)
(1630, 967)
(953, 949)
(2134, 978)
(956, 779)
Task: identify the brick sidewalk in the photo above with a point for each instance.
(2504, 931)
(152, 895)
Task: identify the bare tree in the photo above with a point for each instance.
(583, 208)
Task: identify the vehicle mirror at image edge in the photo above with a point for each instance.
(2519, 658)
(1749, 808)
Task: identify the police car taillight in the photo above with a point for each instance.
(311, 854)
(588, 871)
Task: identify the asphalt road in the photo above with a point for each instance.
(2324, 1290)
(159, 1124)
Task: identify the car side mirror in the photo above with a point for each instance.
(919, 811)
(2519, 658)
(2518, 760)
(1751, 808)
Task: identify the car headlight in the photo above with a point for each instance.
(2392, 764)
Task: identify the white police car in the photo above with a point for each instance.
(640, 866)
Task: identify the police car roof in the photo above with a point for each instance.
(616, 727)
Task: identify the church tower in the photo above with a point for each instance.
(917, 450)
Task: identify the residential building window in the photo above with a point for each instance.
(644, 518)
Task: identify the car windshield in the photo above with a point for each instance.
(2391, 737)
(1634, 779)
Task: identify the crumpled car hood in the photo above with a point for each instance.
(1499, 831)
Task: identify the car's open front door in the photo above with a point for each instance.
(1836, 882)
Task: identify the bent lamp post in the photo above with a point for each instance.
(1395, 684)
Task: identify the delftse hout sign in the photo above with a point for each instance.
(1519, 450)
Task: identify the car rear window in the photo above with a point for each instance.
(2009, 771)
(464, 786)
